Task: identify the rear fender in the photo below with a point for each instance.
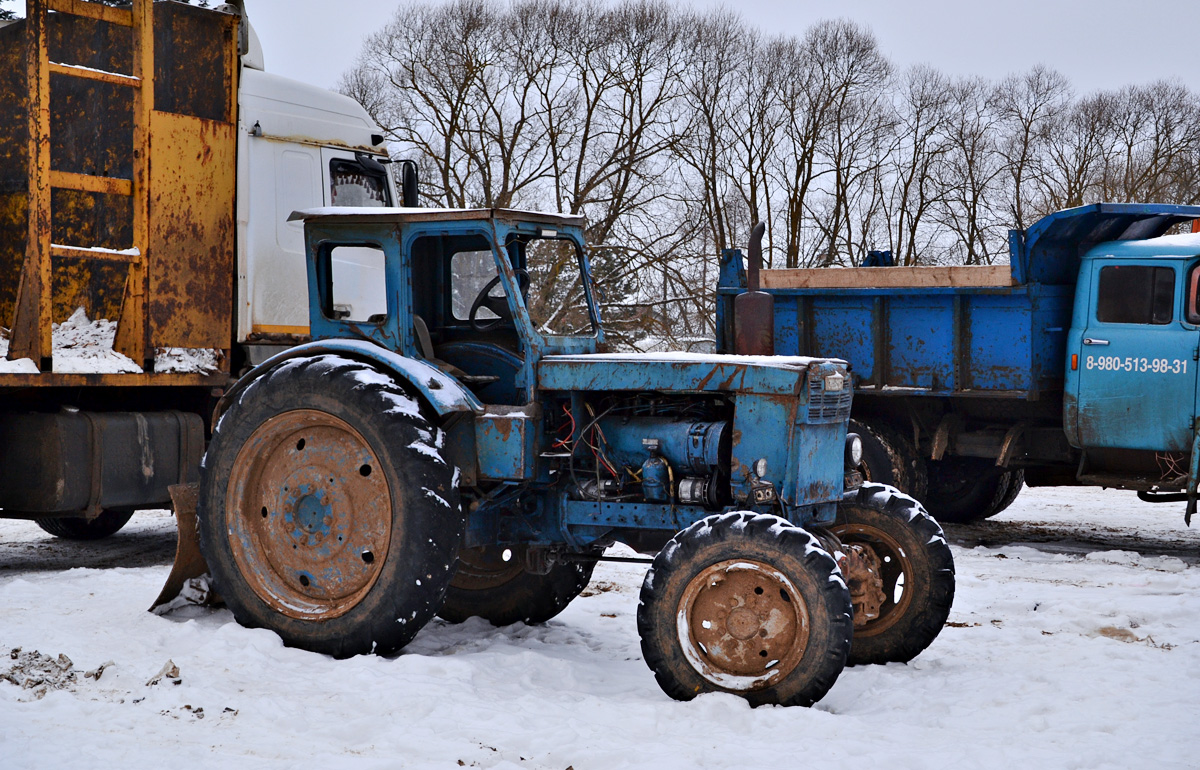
(444, 394)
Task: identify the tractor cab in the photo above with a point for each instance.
(482, 294)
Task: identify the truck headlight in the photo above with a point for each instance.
(853, 450)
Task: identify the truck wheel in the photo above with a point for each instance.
(747, 604)
(966, 489)
(890, 458)
(82, 528)
(1014, 482)
(502, 591)
(326, 511)
(900, 573)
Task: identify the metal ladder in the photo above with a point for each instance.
(31, 336)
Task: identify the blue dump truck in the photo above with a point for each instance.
(1076, 364)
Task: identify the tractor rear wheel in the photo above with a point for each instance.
(83, 528)
(747, 604)
(494, 583)
(326, 511)
(900, 572)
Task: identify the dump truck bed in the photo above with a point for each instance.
(935, 331)
(85, 224)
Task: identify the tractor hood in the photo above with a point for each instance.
(689, 372)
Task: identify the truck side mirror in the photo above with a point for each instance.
(408, 184)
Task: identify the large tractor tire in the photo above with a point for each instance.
(83, 528)
(900, 572)
(326, 512)
(967, 489)
(504, 591)
(889, 457)
(747, 604)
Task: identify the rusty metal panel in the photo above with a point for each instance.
(192, 228)
(189, 40)
(505, 442)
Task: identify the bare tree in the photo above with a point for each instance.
(1026, 103)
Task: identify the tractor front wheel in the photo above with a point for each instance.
(747, 604)
(900, 572)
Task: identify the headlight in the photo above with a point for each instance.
(853, 450)
(760, 467)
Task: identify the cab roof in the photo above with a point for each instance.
(1186, 245)
(400, 216)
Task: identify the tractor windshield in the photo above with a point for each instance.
(557, 297)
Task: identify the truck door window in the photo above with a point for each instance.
(1136, 294)
(1192, 308)
(470, 271)
(352, 184)
(358, 290)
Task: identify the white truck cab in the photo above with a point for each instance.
(299, 147)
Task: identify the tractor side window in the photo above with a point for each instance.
(1136, 294)
(557, 302)
(352, 184)
(358, 290)
(1192, 309)
(470, 272)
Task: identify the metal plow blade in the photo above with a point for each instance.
(188, 581)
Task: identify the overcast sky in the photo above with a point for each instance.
(1110, 44)
(1098, 45)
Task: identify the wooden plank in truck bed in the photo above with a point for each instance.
(961, 276)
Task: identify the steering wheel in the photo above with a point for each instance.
(498, 305)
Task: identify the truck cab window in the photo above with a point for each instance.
(358, 286)
(1136, 294)
(352, 184)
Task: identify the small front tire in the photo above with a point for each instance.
(910, 587)
(747, 604)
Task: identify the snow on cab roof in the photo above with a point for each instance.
(698, 358)
(1185, 244)
(402, 215)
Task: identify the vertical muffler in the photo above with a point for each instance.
(754, 310)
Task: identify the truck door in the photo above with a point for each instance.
(1136, 365)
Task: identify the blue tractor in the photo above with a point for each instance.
(451, 443)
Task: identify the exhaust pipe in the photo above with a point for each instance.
(754, 310)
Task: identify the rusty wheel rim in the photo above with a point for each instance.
(743, 624)
(309, 514)
(896, 573)
(486, 567)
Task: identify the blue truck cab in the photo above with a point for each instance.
(1076, 363)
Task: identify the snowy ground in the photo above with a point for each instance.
(1076, 647)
